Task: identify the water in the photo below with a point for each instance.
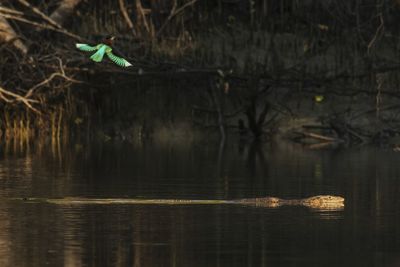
(365, 233)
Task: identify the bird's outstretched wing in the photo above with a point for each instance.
(118, 60)
(86, 47)
(98, 56)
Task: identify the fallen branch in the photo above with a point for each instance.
(319, 137)
(321, 145)
(136, 73)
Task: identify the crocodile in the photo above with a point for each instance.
(320, 202)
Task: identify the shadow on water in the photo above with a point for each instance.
(366, 233)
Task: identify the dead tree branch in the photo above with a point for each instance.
(7, 34)
(11, 11)
(60, 74)
(28, 98)
(18, 98)
(174, 12)
(320, 137)
(41, 14)
(64, 10)
(141, 16)
(126, 17)
(379, 32)
(40, 25)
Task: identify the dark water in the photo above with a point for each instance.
(366, 233)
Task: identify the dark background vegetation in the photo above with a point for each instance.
(225, 66)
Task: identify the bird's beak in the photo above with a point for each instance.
(112, 38)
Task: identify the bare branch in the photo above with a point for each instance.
(11, 11)
(50, 78)
(41, 14)
(174, 12)
(40, 25)
(126, 16)
(19, 98)
(379, 32)
(64, 10)
(319, 137)
(141, 16)
(7, 34)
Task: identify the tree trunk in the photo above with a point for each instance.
(64, 10)
(7, 34)
(256, 125)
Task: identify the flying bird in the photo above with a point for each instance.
(104, 47)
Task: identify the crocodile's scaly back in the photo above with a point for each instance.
(323, 202)
(268, 202)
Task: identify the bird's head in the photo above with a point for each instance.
(109, 39)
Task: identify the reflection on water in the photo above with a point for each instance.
(366, 233)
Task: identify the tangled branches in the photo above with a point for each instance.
(27, 85)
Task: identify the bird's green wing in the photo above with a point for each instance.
(118, 60)
(98, 56)
(86, 47)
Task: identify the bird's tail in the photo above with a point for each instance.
(98, 56)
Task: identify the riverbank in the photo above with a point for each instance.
(222, 72)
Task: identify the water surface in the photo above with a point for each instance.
(365, 233)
